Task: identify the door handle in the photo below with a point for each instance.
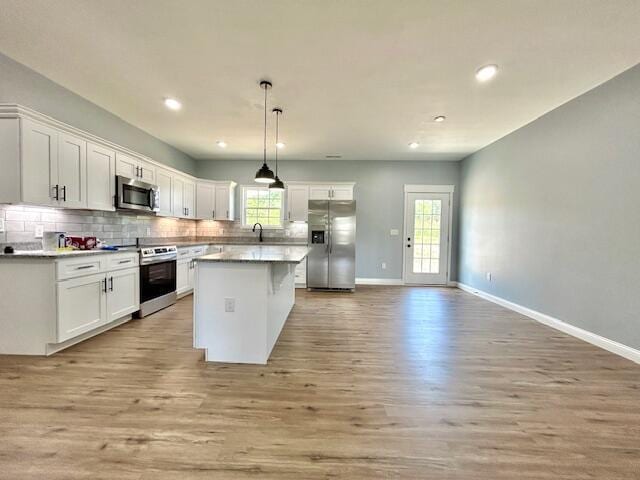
(213, 214)
(64, 193)
(137, 170)
(56, 189)
(111, 284)
(104, 286)
(141, 172)
(227, 214)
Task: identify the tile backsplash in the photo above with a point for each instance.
(115, 228)
(122, 228)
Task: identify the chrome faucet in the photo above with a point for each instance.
(254, 230)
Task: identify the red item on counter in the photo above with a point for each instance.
(82, 243)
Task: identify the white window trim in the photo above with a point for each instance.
(243, 199)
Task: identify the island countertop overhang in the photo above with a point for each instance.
(258, 254)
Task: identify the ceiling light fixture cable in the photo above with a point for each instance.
(265, 174)
(277, 185)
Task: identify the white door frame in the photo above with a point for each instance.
(427, 189)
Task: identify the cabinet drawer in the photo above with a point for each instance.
(78, 267)
(198, 251)
(119, 262)
(184, 253)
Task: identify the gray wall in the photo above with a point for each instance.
(552, 211)
(20, 84)
(379, 193)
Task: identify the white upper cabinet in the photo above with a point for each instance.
(190, 198)
(101, 174)
(177, 197)
(297, 203)
(147, 172)
(136, 168)
(215, 200)
(72, 171)
(127, 166)
(225, 201)
(342, 192)
(184, 197)
(205, 200)
(164, 181)
(319, 192)
(54, 167)
(39, 162)
(337, 191)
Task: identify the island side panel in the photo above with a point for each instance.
(281, 297)
(238, 336)
(28, 319)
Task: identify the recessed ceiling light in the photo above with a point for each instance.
(280, 145)
(172, 104)
(439, 118)
(486, 73)
(414, 145)
(221, 144)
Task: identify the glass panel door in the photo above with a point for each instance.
(426, 243)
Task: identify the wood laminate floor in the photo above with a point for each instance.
(389, 382)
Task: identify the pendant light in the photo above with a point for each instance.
(277, 185)
(264, 174)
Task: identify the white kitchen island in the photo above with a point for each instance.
(242, 298)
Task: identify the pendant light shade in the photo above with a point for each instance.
(277, 185)
(264, 173)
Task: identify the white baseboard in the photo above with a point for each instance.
(585, 335)
(379, 281)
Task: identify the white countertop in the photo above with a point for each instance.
(258, 254)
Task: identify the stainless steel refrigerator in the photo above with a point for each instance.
(331, 263)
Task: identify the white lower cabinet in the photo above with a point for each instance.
(87, 299)
(82, 305)
(301, 274)
(184, 276)
(123, 293)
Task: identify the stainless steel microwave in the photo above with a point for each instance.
(136, 195)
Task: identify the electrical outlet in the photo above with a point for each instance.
(394, 232)
(384, 266)
(229, 304)
(488, 276)
(39, 231)
(148, 231)
(1, 225)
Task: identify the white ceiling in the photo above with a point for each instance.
(361, 78)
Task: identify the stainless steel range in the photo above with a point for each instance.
(157, 278)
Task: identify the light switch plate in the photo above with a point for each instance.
(394, 232)
(39, 231)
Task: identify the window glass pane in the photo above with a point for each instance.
(417, 251)
(435, 251)
(273, 213)
(427, 221)
(437, 207)
(428, 207)
(263, 206)
(417, 266)
(417, 224)
(435, 237)
(436, 222)
(419, 207)
(435, 266)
